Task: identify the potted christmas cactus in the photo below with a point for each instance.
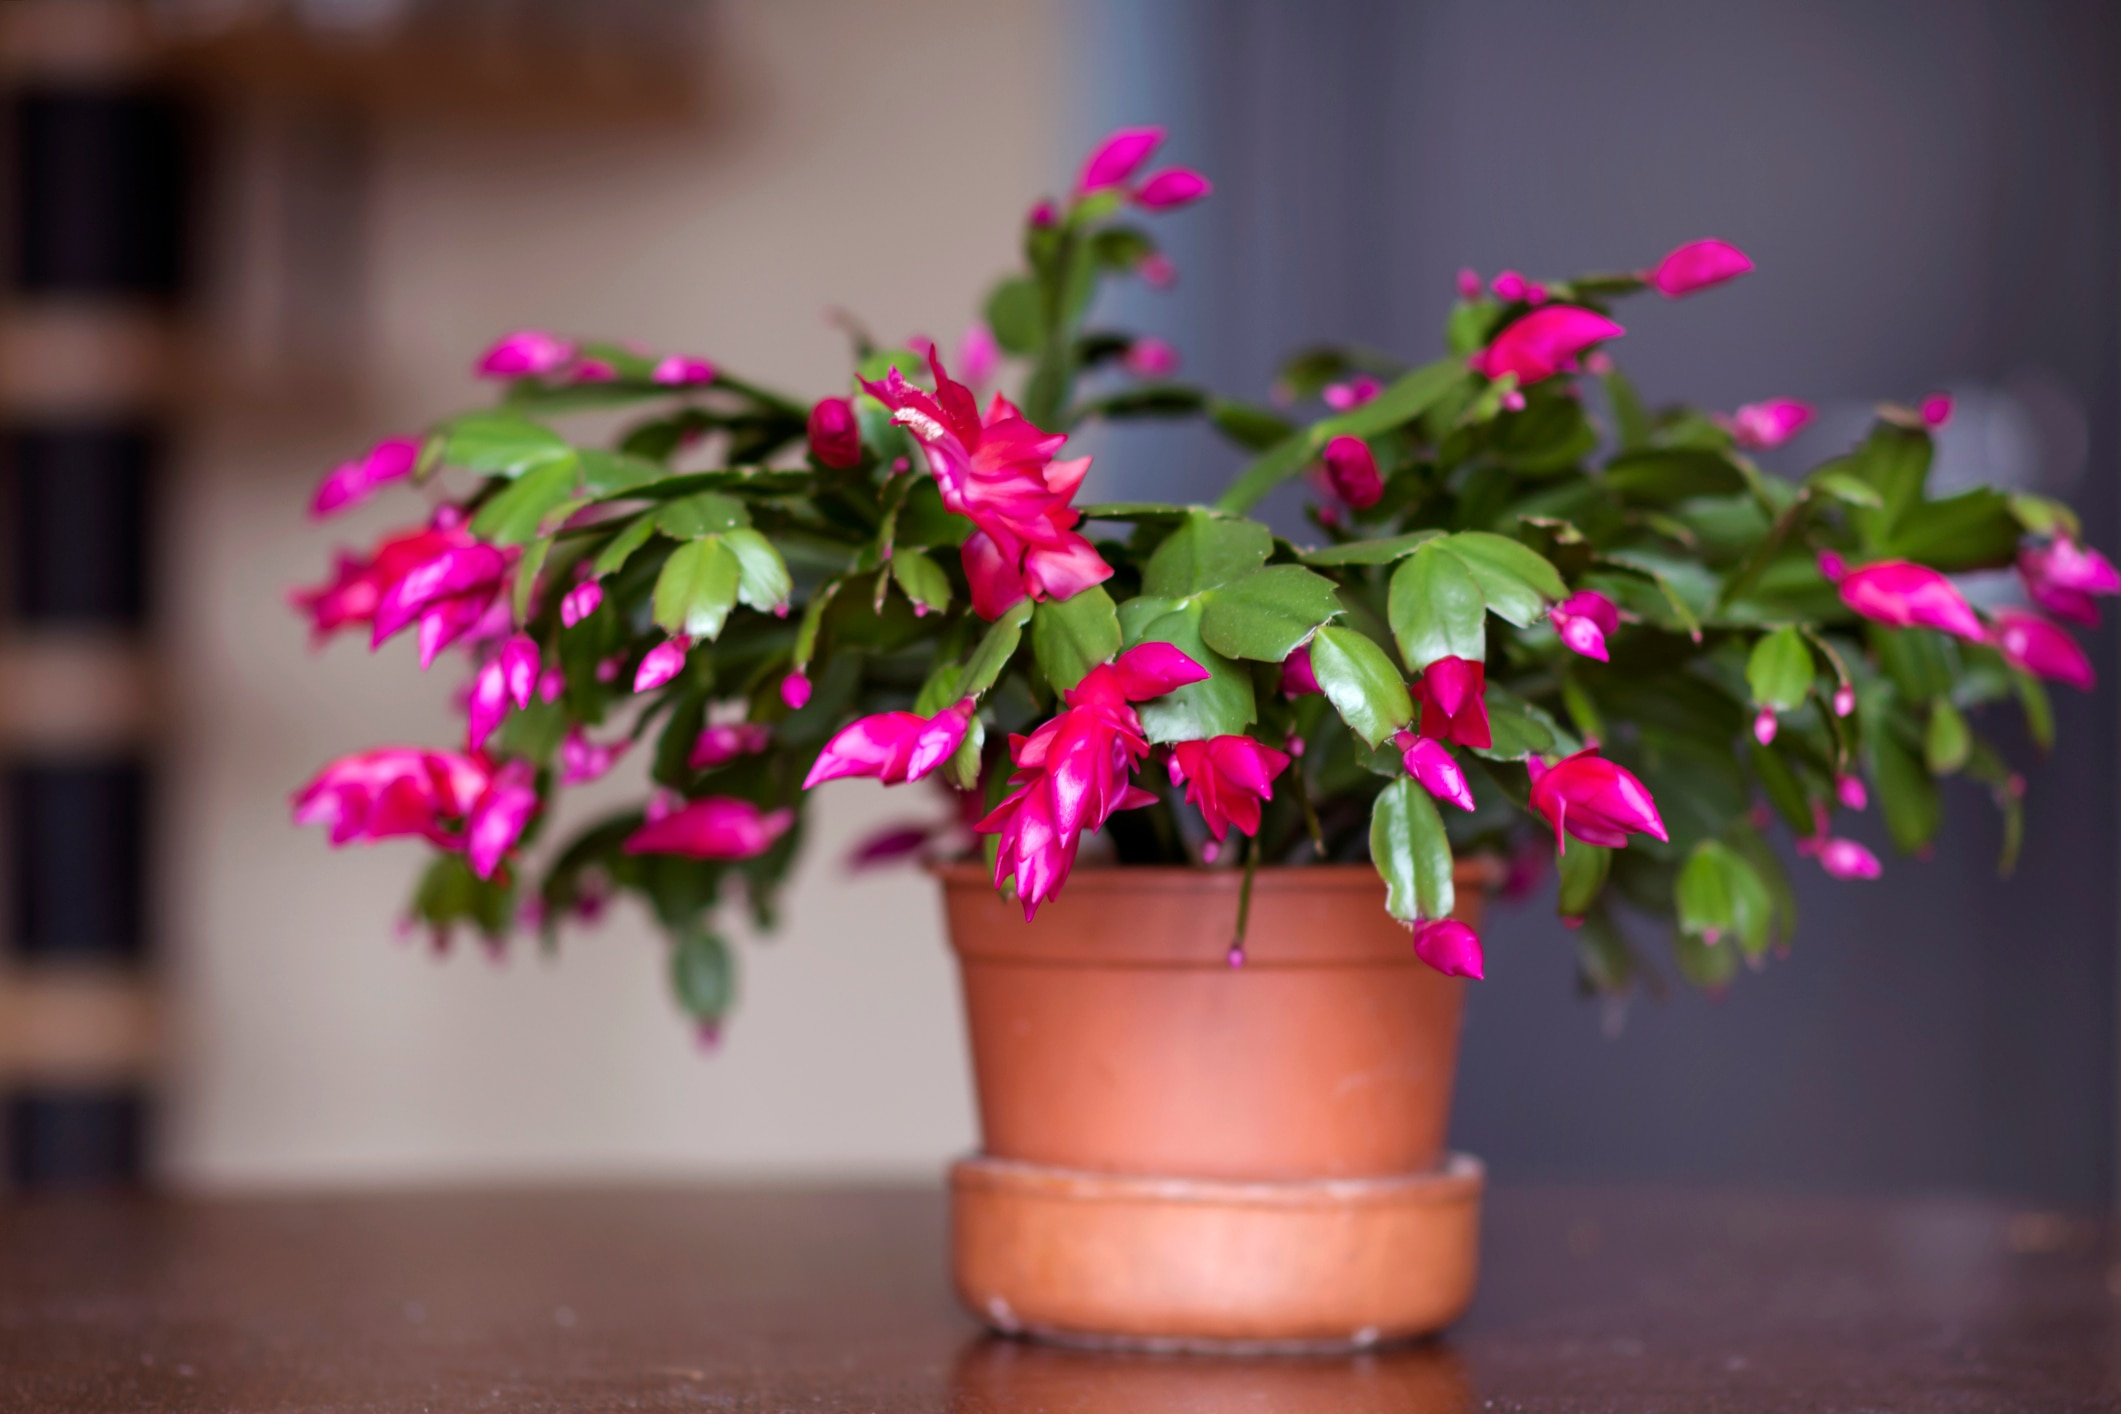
(1227, 796)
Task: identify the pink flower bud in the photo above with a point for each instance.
(1549, 340)
(835, 434)
(1846, 859)
(527, 353)
(1769, 424)
(1698, 265)
(485, 705)
(2031, 643)
(1157, 272)
(1851, 792)
(663, 662)
(1345, 397)
(1513, 401)
(1583, 620)
(1468, 284)
(1042, 215)
(795, 691)
(1844, 700)
(1903, 594)
(1450, 947)
(1296, 675)
(1431, 764)
(519, 666)
(1353, 471)
(1764, 726)
(681, 371)
(979, 356)
(1937, 409)
(1117, 158)
(1150, 358)
(593, 370)
(1172, 188)
(1507, 286)
(580, 602)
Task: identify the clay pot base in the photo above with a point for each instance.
(1235, 1267)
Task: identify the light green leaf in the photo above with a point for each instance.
(2039, 712)
(1516, 728)
(1948, 741)
(1847, 488)
(1411, 852)
(1515, 580)
(1016, 315)
(1583, 871)
(1906, 792)
(514, 516)
(762, 576)
(614, 556)
(1265, 614)
(608, 473)
(1205, 551)
(697, 588)
(962, 769)
(527, 571)
(920, 579)
(502, 444)
(707, 513)
(1361, 683)
(1071, 636)
(702, 974)
(1779, 672)
(1223, 705)
(995, 650)
(1371, 552)
(1437, 610)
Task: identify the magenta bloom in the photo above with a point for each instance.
(1696, 266)
(1850, 790)
(979, 356)
(1549, 340)
(351, 483)
(1468, 283)
(1450, 947)
(2031, 643)
(583, 760)
(1352, 471)
(893, 747)
(835, 434)
(795, 691)
(1769, 424)
(662, 663)
(1452, 696)
(1431, 764)
(357, 585)
(498, 820)
(447, 594)
(1583, 620)
(485, 705)
(580, 602)
(1000, 474)
(1846, 859)
(1228, 778)
(2063, 577)
(1765, 726)
(527, 353)
(717, 746)
(1908, 595)
(683, 371)
(1596, 800)
(1150, 358)
(1171, 188)
(1937, 409)
(1115, 160)
(1345, 397)
(1844, 700)
(719, 827)
(1072, 773)
(1157, 271)
(1296, 675)
(394, 791)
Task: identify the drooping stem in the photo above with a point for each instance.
(1244, 899)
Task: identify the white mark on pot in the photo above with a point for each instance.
(1003, 1318)
(563, 1317)
(1365, 1337)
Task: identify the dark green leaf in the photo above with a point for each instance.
(920, 579)
(1265, 614)
(1516, 581)
(1779, 672)
(1015, 314)
(515, 516)
(1361, 683)
(2039, 712)
(1253, 428)
(613, 557)
(1412, 855)
(706, 513)
(1667, 476)
(1905, 791)
(1221, 706)
(1972, 530)
(1784, 791)
(609, 473)
(1371, 552)
(1583, 870)
(1074, 635)
(1847, 487)
(995, 650)
(1406, 399)
(1437, 610)
(1948, 740)
(1205, 551)
(762, 576)
(702, 975)
(1516, 728)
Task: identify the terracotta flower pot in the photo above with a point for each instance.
(1176, 1151)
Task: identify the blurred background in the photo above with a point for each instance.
(247, 237)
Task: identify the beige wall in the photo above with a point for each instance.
(871, 156)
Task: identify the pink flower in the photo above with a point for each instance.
(1450, 947)
(1583, 620)
(1042, 215)
(795, 690)
(527, 353)
(1768, 424)
(1431, 764)
(1846, 859)
(835, 434)
(1849, 789)
(1150, 358)
(1172, 188)
(1908, 595)
(1072, 772)
(583, 760)
(2031, 643)
(719, 827)
(519, 665)
(1112, 162)
(351, 483)
(486, 705)
(979, 357)
(1765, 725)
(1468, 284)
(1452, 696)
(394, 791)
(2062, 577)
(1545, 342)
(662, 663)
(1000, 474)
(683, 371)
(1228, 778)
(358, 585)
(593, 370)
(580, 602)
(448, 594)
(1596, 800)
(1696, 266)
(1509, 285)
(1296, 675)
(1157, 272)
(498, 820)
(1345, 397)
(1352, 472)
(893, 747)
(1937, 409)
(717, 746)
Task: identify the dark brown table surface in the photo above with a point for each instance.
(836, 1299)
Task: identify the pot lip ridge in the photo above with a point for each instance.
(1480, 871)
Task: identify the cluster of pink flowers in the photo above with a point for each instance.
(460, 803)
(999, 473)
(1114, 163)
(440, 577)
(535, 353)
(1907, 595)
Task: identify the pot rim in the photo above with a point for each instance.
(1480, 871)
